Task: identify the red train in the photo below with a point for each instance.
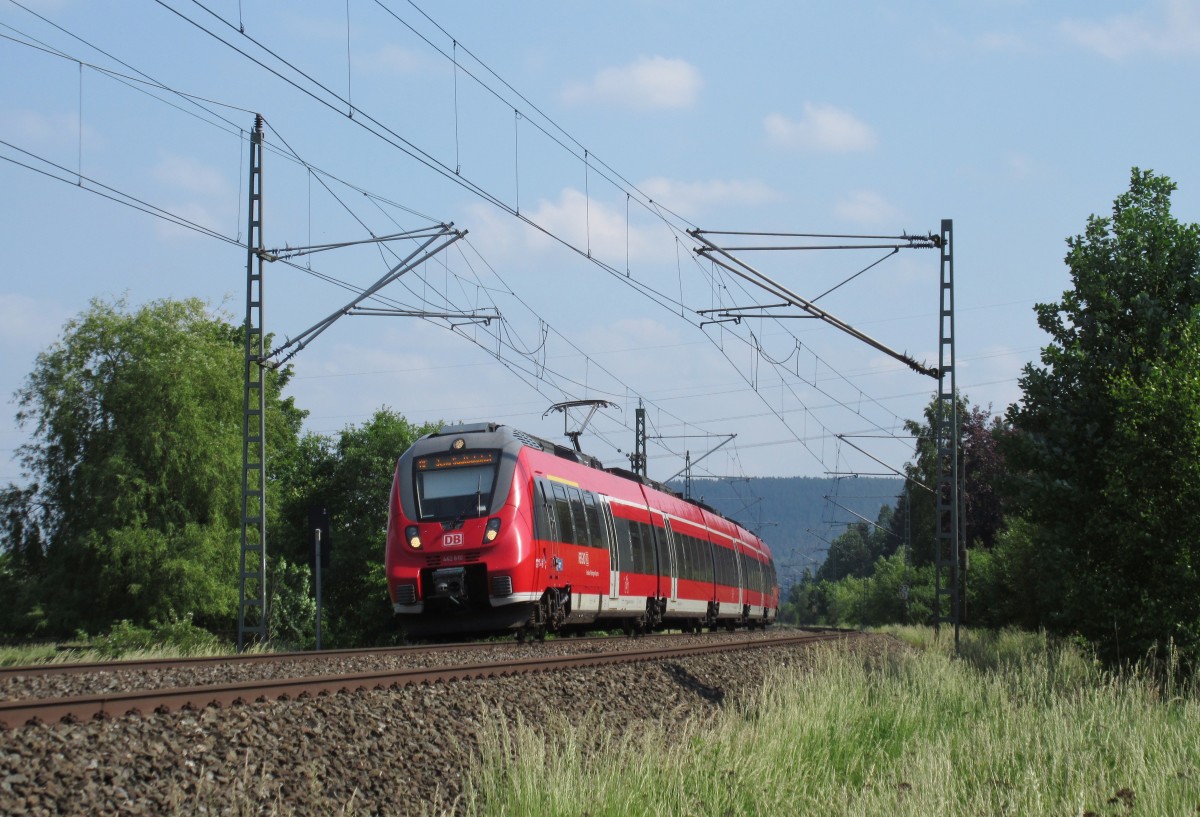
(491, 529)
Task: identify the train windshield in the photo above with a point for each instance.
(455, 485)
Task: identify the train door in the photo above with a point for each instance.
(544, 532)
(671, 590)
(614, 563)
(566, 533)
(740, 558)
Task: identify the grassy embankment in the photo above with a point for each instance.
(123, 641)
(1021, 725)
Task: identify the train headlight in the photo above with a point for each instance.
(491, 531)
(413, 536)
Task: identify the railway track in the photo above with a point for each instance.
(80, 667)
(78, 708)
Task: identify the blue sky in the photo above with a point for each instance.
(610, 128)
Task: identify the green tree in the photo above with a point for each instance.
(981, 470)
(806, 603)
(351, 476)
(849, 555)
(1009, 584)
(856, 550)
(1109, 430)
(136, 417)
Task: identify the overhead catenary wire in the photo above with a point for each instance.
(503, 327)
(103, 190)
(391, 137)
(586, 251)
(676, 305)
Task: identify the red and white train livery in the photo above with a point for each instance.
(492, 529)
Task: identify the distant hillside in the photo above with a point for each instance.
(782, 510)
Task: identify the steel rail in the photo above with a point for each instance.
(28, 712)
(81, 667)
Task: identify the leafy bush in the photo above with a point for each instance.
(291, 621)
(176, 637)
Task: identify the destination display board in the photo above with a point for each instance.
(455, 459)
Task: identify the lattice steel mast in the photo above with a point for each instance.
(252, 584)
(947, 535)
(946, 433)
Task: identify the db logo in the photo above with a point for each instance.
(453, 540)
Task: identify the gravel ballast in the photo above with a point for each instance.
(397, 752)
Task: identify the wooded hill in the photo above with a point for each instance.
(783, 511)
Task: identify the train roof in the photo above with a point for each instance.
(516, 435)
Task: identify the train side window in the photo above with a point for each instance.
(653, 541)
(610, 532)
(562, 512)
(683, 555)
(582, 536)
(666, 566)
(643, 547)
(542, 522)
(722, 565)
(596, 531)
(638, 562)
(704, 560)
(624, 543)
(695, 559)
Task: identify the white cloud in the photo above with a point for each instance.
(866, 207)
(26, 323)
(691, 198)
(193, 212)
(823, 128)
(188, 174)
(593, 226)
(632, 334)
(391, 60)
(36, 130)
(590, 225)
(1001, 42)
(1173, 28)
(206, 190)
(646, 83)
(1020, 166)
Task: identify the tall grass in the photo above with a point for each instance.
(124, 641)
(1023, 726)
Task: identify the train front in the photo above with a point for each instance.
(460, 534)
